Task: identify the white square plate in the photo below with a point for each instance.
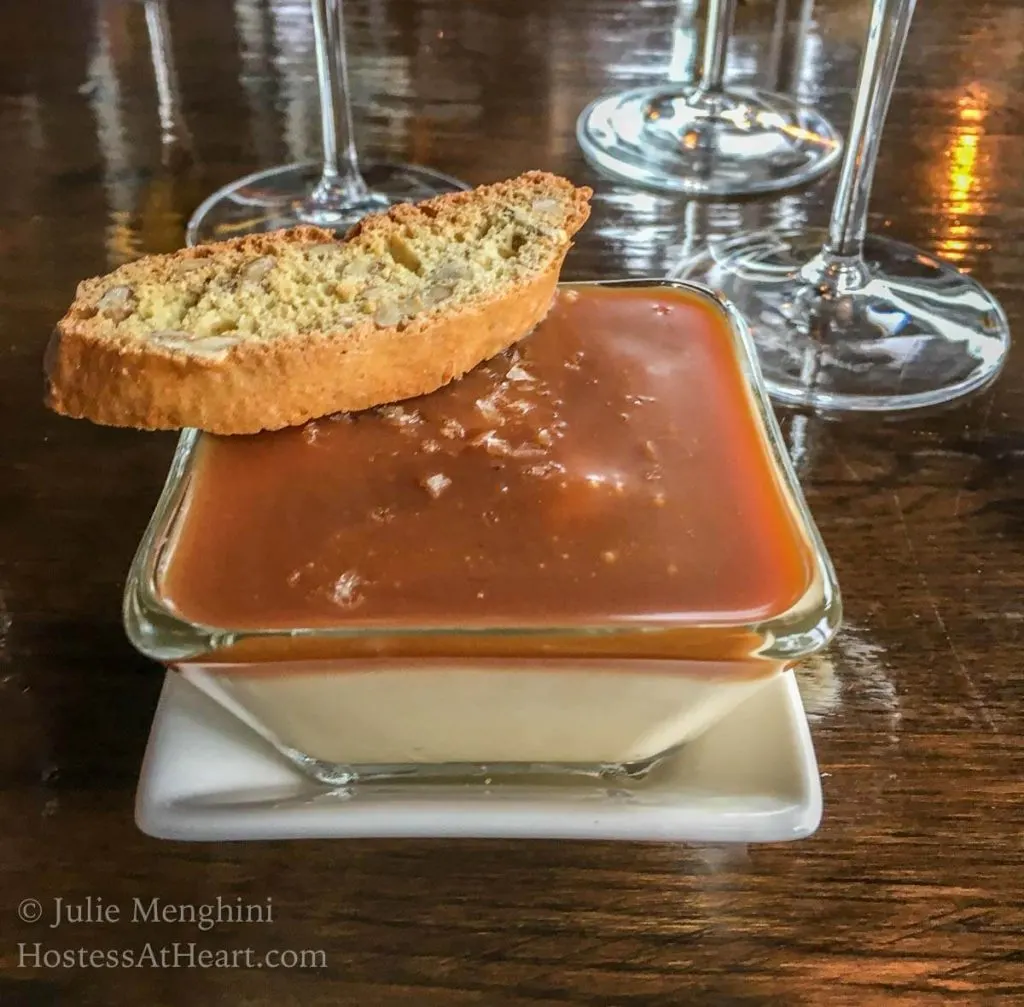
(753, 777)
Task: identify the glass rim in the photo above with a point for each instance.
(804, 627)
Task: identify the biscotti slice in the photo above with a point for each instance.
(271, 330)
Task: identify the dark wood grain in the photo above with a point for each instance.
(912, 889)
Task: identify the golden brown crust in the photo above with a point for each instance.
(274, 384)
(441, 205)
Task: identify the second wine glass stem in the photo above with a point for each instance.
(887, 36)
(340, 181)
(716, 44)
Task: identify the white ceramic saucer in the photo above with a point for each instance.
(752, 778)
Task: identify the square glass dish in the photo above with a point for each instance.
(574, 559)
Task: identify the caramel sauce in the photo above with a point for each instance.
(608, 469)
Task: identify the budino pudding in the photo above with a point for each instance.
(580, 554)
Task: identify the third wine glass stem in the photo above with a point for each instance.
(340, 165)
(716, 43)
(890, 24)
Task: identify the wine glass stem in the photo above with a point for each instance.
(789, 76)
(172, 128)
(340, 182)
(681, 62)
(887, 35)
(716, 42)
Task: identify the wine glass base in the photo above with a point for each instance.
(279, 197)
(735, 143)
(899, 329)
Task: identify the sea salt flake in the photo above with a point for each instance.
(453, 429)
(346, 593)
(518, 373)
(436, 484)
(488, 408)
(295, 577)
(492, 444)
(545, 469)
(498, 447)
(397, 416)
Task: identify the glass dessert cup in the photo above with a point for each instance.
(846, 321)
(496, 698)
(706, 139)
(334, 194)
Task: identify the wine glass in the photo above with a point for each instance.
(704, 139)
(333, 194)
(845, 321)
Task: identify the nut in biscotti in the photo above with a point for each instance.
(272, 330)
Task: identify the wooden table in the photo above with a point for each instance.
(911, 891)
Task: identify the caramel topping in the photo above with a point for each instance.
(609, 467)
